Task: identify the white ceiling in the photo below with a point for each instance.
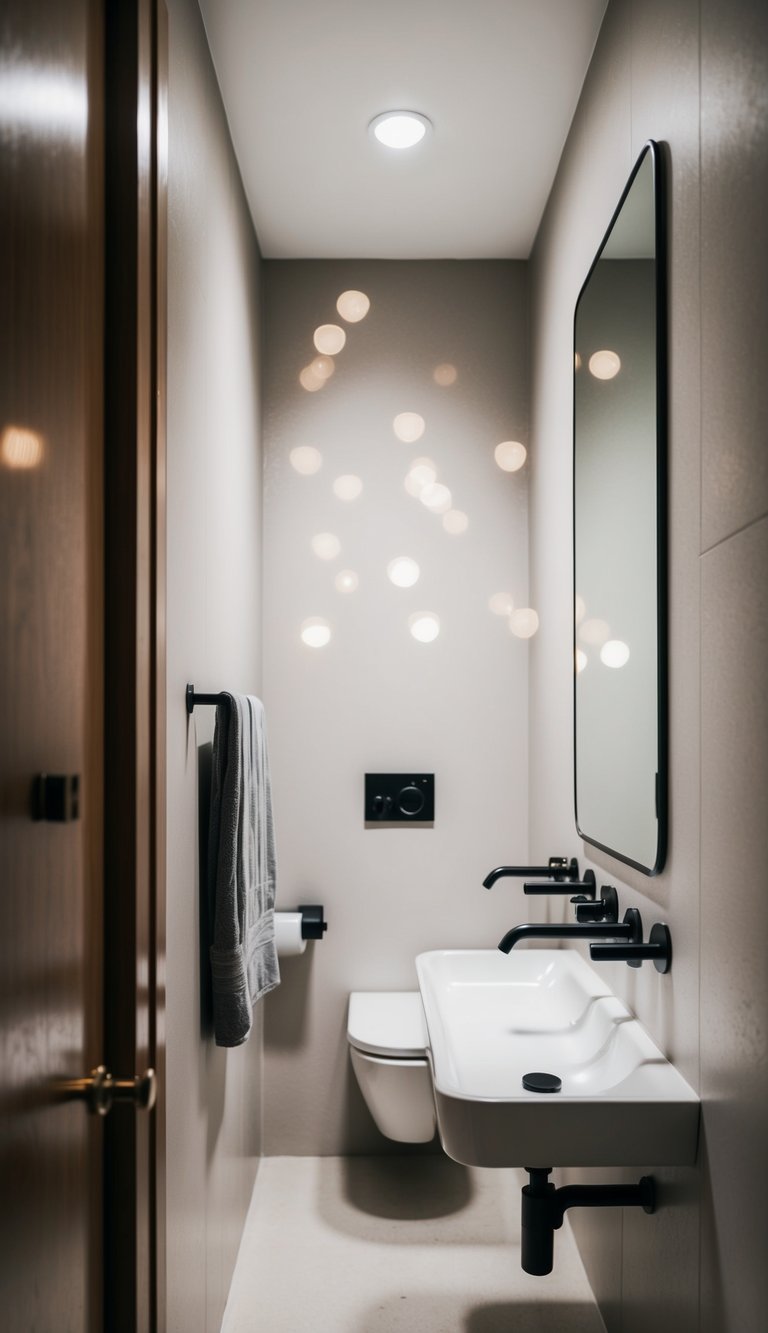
(302, 79)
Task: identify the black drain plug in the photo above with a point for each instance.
(542, 1082)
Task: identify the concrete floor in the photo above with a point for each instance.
(396, 1245)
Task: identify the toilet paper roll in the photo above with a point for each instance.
(288, 934)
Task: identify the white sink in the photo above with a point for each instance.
(493, 1017)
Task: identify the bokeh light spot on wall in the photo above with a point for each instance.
(310, 380)
(346, 581)
(326, 546)
(436, 497)
(445, 375)
(306, 460)
(329, 339)
(604, 365)
(455, 522)
(501, 604)
(510, 455)
(347, 487)
(21, 448)
(424, 626)
(423, 472)
(579, 609)
(315, 632)
(403, 571)
(323, 367)
(353, 306)
(524, 622)
(409, 427)
(581, 660)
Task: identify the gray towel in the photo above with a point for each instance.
(241, 869)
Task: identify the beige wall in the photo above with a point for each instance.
(214, 640)
(374, 699)
(694, 77)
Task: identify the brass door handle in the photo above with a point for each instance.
(100, 1090)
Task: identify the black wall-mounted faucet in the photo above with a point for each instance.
(658, 950)
(559, 868)
(630, 930)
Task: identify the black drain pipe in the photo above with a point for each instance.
(544, 1208)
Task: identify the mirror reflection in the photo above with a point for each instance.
(618, 538)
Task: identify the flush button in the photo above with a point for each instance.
(410, 801)
(399, 798)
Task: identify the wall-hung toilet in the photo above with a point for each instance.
(388, 1045)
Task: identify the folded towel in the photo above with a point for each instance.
(241, 874)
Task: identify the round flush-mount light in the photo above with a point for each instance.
(400, 129)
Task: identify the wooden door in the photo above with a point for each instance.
(51, 659)
(82, 332)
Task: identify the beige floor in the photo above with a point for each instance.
(396, 1245)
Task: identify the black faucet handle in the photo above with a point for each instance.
(658, 950)
(604, 908)
(587, 885)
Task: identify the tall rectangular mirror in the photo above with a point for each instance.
(619, 532)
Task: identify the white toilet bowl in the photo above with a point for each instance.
(388, 1042)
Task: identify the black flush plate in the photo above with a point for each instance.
(399, 798)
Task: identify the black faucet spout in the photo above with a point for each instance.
(630, 929)
(559, 868)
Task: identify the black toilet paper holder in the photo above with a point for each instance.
(313, 923)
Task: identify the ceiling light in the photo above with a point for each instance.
(400, 129)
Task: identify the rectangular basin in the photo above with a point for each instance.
(492, 1017)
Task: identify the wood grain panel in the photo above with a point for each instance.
(51, 253)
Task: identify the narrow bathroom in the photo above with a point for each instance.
(451, 450)
(388, 635)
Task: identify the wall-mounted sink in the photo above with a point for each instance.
(492, 1018)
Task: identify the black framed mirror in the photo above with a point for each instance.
(619, 469)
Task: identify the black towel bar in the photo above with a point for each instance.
(193, 698)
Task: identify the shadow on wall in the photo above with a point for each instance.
(427, 1311)
(285, 1028)
(715, 1245)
